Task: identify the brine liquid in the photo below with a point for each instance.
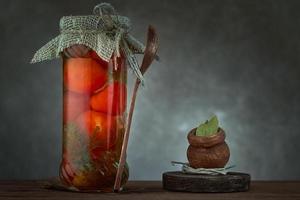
(94, 116)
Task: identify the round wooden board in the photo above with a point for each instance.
(182, 182)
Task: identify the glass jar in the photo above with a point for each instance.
(94, 97)
(94, 120)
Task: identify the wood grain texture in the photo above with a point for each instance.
(231, 182)
(35, 190)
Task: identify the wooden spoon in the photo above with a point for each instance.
(149, 55)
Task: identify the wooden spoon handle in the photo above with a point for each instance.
(123, 155)
(150, 53)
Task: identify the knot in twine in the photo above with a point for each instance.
(106, 11)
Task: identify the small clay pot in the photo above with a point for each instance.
(207, 151)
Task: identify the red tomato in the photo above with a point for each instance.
(74, 104)
(92, 54)
(110, 100)
(84, 75)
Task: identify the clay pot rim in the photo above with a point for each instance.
(206, 141)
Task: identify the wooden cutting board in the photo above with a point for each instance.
(231, 182)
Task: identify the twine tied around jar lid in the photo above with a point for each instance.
(104, 9)
(105, 32)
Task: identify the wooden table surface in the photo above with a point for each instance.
(152, 190)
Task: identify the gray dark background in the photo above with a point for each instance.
(237, 59)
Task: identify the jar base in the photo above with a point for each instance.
(56, 184)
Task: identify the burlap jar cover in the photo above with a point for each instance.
(105, 32)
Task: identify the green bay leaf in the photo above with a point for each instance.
(208, 128)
